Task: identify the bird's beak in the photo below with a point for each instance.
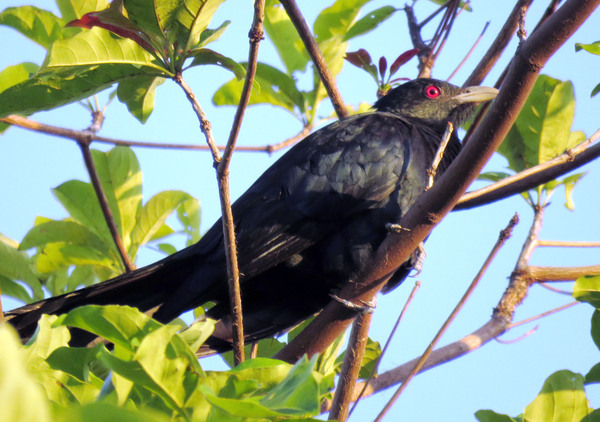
(476, 94)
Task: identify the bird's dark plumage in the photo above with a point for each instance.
(311, 222)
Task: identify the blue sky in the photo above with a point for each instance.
(502, 377)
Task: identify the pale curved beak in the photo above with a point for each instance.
(476, 94)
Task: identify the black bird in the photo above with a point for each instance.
(311, 222)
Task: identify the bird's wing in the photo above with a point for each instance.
(335, 173)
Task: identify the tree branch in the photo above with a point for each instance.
(84, 145)
(32, 125)
(434, 204)
(541, 274)
(311, 46)
(535, 176)
(233, 274)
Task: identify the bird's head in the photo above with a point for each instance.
(434, 101)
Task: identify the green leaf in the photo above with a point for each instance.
(593, 48)
(593, 376)
(337, 19)
(569, 184)
(51, 89)
(13, 75)
(103, 411)
(80, 201)
(266, 348)
(274, 88)
(298, 393)
(284, 36)
(493, 176)
(75, 9)
(594, 416)
(118, 324)
(205, 11)
(211, 35)
(11, 288)
(587, 289)
(206, 56)
(153, 216)
(595, 330)
(543, 125)
(369, 22)
(17, 265)
(21, 397)
(39, 25)
(98, 46)
(188, 213)
(124, 178)
(562, 398)
(138, 94)
(59, 256)
(595, 91)
(142, 13)
(62, 231)
(491, 416)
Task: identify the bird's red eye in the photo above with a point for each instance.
(432, 91)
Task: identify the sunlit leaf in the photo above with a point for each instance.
(153, 215)
(39, 25)
(16, 265)
(138, 94)
(207, 56)
(337, 19)
(21, 397)
(284, 36)
(369, 22)
(562, 398)
(587, 289)
(62, 231)
(491, 416)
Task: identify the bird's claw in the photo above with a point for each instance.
(364, 308)
(395, 228)
(417, 259)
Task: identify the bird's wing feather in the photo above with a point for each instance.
(337, 172)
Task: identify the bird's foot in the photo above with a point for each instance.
(395, 228)
(417, 259)
(363, 308)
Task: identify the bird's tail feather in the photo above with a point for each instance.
(146, 288)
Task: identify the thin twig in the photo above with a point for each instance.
(439, 154)
(544, 314)
(521, 337)
(554, 289)
(32, 125)
(233, 273)
(312, 48)
(568, 243)
(498, 46)
(387, 344)
(534, 176)
(502, 238)
(106, 211)
(351, 367)
(473, 47)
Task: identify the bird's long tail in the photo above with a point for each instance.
(146, 288)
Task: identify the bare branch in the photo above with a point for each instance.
(328, 80)
(540, 274)
(544, 314)
(502, 238)
(233, 273)
(475, 44)
(387, 344)
(502, 39)
(568, 244)
(535, 176)
(32, 125)
(351, 367)
(84, 145)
